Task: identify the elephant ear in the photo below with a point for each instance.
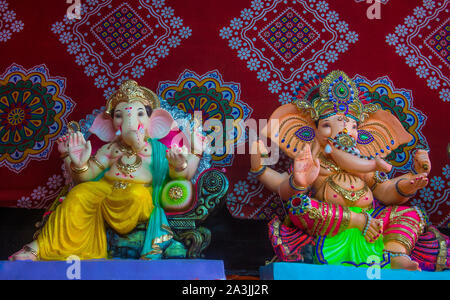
(103, 128)
(160, 124)
(380, 134)
(164, 128)
(290, 129)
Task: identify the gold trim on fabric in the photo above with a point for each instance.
(159, 240)
(316, 215)
(396, 237)
(404, 230)
(329, 209)
(276, 233)
(441, 260)
(336, 220)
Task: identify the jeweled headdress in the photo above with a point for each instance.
(335, 94)
(130, 91)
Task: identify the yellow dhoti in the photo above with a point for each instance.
(77, 226)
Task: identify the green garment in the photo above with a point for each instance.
(350, 248)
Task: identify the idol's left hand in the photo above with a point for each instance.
(422, 163)
(177, 158)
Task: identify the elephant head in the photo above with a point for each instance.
(133, 115)
(330, 113)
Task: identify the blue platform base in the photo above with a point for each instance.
(301, 271)
(176, 269)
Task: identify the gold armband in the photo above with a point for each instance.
(95, 161)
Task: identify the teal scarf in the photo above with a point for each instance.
(158, 234)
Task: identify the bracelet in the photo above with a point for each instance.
(259, 172)
(400, 192)
(368, 222)
(99, 164)
(79, 170)
(380, 177)
(294, 186)
(396, 254)
(345, 219)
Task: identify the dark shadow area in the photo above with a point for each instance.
(243, 245)
(16, 228)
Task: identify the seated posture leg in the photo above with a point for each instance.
(402, 228)
(77, 226)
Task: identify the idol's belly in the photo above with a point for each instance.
(141, 175)
(345, 192)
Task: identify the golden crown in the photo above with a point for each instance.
(130, 91)
(335, 94)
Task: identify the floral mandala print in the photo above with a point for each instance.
(285, 42)
(423, 41)
(216, 99)
(33, 112)
(9, 24)
(116, 40)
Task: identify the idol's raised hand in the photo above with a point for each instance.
(307, 165)
(79, 149)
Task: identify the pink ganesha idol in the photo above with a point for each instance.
(338, 196)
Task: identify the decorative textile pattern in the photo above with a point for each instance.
(273, 34)
(249, 199)
(234, 59)
(116, 40)
(9, 23)
(33, 110)
(423, 41)
(216, 99)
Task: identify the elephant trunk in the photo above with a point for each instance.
(135, 139)
(350, 160)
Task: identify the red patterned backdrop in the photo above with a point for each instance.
(231, 59)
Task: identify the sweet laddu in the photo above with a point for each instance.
(120, 185)
(337, 194)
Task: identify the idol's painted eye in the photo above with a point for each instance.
(140, 113)
(117, 115)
